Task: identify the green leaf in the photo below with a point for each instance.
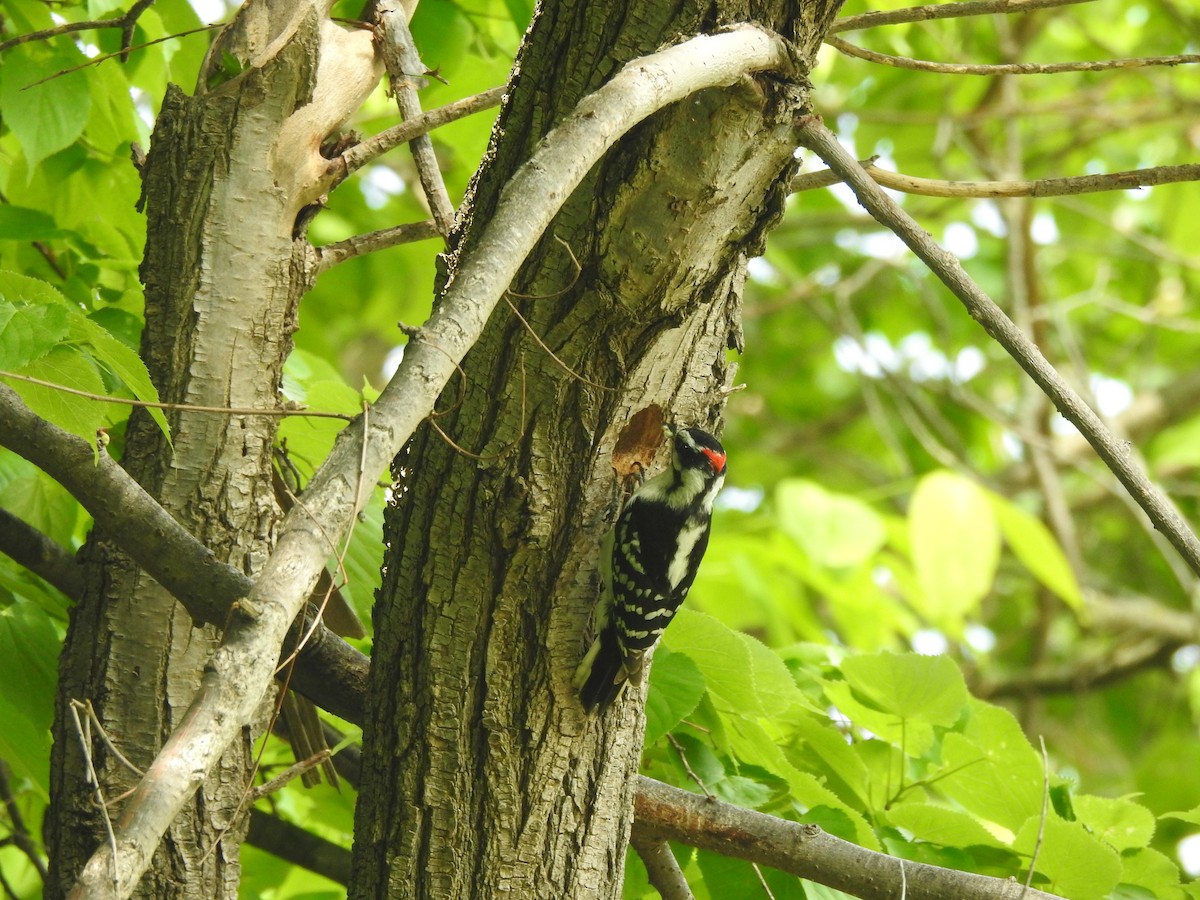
(1191, 816)
(32, 495)
(363, 559)
(81, 416)
(1122, 824)
(955, 547)
(908, 685)
(676, 686)
(1152, 870)
(29, 332)
(820, 746)
(1077, 864)
(122, 362)
(1177, 445)
(915, 738)
(724, 876)
(740, 671)
(29, 646)
(312, 381)
(49, 116)
(939, 825)
(991, 770)
(1034, 545)
(835, 531)
(18, 223)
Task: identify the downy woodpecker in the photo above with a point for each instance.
(648, 562)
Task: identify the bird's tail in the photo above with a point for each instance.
(601, 675)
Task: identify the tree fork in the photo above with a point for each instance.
(488, 777)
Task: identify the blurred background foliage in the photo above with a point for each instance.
(929, 620)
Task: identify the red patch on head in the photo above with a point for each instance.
(715, 458)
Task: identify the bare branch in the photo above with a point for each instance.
(923, 65)
(1115, 454)
(298, 846)
(123, 53)
(126, 23)
(1143, 615)
(805, 850)
(243, 666)
(403, 66)
(36, 552)
(943, 11)
(1081, 675)
(362, 153)
(661, 865)
(291, 773)
(1043, 187)
(361, 244)
(134, 521)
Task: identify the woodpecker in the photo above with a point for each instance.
(648, 562)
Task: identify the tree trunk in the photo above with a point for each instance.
(223, 272)
(482, 774)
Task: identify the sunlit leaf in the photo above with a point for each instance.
(1122, 824)
(955, 547)
(910, 686)
(834, 530)
(49, 116)
(1076, 863)
(1033, 544)
(991, 770)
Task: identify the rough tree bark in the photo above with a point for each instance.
(224, 269)
(482, 774)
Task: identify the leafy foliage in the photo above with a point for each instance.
(885, 497)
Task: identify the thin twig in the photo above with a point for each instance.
(8, 888)
(1037, 846)
(403, 64)
(686, 766)
(361, 244)
(373, 147)
(551, 353)
(816, 137)
(125, 23)
(924, 65)
(1043, 187)
(41, 555)
(90, 713)
(561, 291)
(85, 743)
(1085, 674)
(105, 57)
(763, 881)
(289, 774)
(942, 11)
(182, 407)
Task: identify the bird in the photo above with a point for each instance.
(648, 561)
